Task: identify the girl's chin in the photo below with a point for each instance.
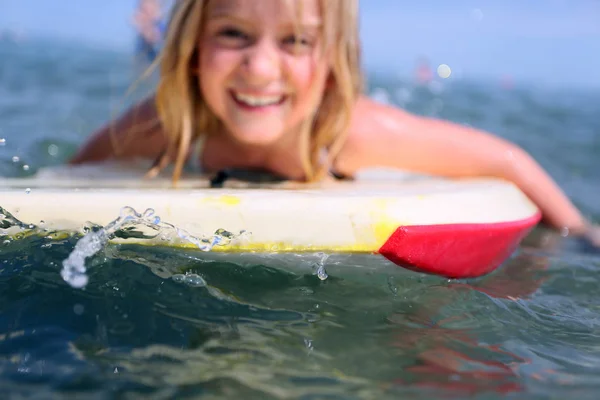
(257, 138)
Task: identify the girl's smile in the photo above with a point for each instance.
(257, 101)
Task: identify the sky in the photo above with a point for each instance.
(548, 41)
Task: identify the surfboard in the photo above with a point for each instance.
(455, 228)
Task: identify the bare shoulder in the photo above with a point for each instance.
(373, 125)
(382, 135)
(374, 118)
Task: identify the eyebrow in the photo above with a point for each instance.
(225, 12)
(307, 25)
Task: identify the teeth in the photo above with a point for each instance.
(258, 101)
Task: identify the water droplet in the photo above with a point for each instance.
(444, 71)
(77, 281)
(306, 290)
(16, 159)
(116, 371)
(28, 190)
(320, 266)
(2, 142)
(53, 150)
(193, 280)
(321, 273)
(25, 167)
(196, 281)
(392, 285)
(150, 217)
(128, 212)
(78, 309)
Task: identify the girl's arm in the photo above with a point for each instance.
(135, 134)
(383, 136)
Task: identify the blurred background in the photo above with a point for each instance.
(551, 42)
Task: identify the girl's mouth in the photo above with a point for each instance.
(253, 101)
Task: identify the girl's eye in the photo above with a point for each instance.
(297, 40)
(299, 43)
(232, 34)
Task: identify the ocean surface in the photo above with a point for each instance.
(159, 323)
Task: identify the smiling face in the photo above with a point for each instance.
(260, 66)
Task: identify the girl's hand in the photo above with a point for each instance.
(592, 235)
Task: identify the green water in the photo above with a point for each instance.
(267, 326)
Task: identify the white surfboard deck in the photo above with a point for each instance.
(338, 215)
(332, 216)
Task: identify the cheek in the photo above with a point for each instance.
(309, 76)
(303, 73)
(214, 65)
(211, 61)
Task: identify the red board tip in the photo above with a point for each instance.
(456, 250)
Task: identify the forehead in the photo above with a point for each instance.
(306, 10)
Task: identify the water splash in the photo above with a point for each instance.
(319, 266)
(74, 271)
(8, 221)
(197, 281)
(189, 279)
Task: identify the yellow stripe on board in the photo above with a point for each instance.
(382, 226)
(275, 247)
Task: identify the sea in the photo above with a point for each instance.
(161, 323)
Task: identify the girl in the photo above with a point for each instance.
(275, 85)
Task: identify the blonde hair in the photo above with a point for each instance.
(185, 115)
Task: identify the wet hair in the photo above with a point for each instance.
(184, 114)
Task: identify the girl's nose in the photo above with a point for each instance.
(262, 62)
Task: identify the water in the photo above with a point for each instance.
(163, 323)
(127, 224)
